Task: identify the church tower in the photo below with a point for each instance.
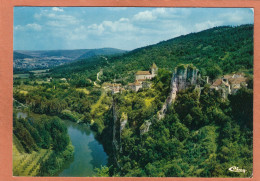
(154, 69)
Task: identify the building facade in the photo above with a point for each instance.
(229, 84)
(146, 75)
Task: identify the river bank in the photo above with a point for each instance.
(88, 151)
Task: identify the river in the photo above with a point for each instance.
(88, 152)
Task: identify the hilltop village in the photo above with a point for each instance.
(227, 84)
(142, 80)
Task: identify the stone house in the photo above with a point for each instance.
(237, 83)
(229, 84)
(135, 86)
(144, 75)
(223, 85)
(113, 87)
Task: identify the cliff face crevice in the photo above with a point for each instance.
(115, 144)
(119, 124)
(183, 77)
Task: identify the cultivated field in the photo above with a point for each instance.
(25, 164)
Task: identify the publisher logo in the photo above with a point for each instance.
(237, 169)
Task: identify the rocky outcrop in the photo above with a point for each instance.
(183, 77)
(145, 127)
(123, 122)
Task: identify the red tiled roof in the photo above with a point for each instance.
(238, 80)
(143, 73)
(217, 82)
(111, 85)
(115, 85)
(228, 76)
(136, 83)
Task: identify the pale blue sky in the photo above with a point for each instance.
(49, 28)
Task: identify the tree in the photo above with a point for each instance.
(214, 71)
(242, 107)
(102, 172)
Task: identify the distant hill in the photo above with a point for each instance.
(73, 54)
(102, 51)
(214, 51)
(24, 59)
(17, 55)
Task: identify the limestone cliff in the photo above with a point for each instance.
(123, 122)
(145, 127)
(182, 77)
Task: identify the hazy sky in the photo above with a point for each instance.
(48, 28)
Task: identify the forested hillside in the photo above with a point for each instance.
(215, 51)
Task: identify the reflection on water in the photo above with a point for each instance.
(88, 152)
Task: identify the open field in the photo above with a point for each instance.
(39, 71)
(22, 76)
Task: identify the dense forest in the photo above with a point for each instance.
(201, 135)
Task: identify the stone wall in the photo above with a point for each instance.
(138, 77)
(145, 127)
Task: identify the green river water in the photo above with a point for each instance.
(88, 152)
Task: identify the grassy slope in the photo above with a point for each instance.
(99, 107)
(98, 103)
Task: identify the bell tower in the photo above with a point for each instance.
(154, 69)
